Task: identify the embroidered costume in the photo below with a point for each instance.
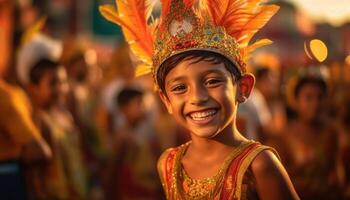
(225, 185)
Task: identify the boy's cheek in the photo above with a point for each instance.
(166, 101)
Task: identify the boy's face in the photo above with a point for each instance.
(202, 97)
(52, 87)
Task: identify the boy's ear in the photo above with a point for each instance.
(166, 101)
(245, 86)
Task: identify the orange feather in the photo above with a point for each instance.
(132, 17)
(241, 18)
(189, 3)
(256, 23)
(165, 8)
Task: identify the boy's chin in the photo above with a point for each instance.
(205, 133)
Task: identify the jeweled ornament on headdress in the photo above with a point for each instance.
(224, 27)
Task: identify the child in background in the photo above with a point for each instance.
(309, 144)
(50, 181)
(196, 54)
(134, 160)
(45, 80)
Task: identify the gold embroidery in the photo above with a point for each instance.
(185, 187)
(229, 182)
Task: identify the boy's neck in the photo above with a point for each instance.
(224, 141)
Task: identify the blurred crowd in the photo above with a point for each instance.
(76, 124)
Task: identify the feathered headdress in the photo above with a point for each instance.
(221, 26)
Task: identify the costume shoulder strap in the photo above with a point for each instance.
(251, 155)
(233, 181)
(165, 167)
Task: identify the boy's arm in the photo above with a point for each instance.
(272, 180)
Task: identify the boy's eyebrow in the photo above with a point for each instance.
(214, 71)
(178, 78)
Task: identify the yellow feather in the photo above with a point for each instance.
(132, 16)
(143, 69)
(247, 51)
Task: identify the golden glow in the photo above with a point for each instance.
(336, 12)
(316, 49)
(267, 59)
(347, 60)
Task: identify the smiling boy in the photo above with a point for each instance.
(196, 53)
(202, 91)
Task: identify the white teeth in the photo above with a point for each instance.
(202, 115)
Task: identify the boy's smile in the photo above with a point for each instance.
(201, 96)
(203, 117)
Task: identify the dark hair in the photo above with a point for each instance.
(199, 55)
(37, 71)
(75, 58)
(126, 95)
(261, 72)
(318, 81)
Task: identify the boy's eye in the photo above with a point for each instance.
(213, 82)
(178, 89)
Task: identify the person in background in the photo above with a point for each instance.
(51, 180)
(45, 80)
(310, 144)
(83, 102)
(119, 74)
(134, 158)
(21, 143)
(263, 115)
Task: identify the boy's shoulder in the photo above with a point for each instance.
(161, 164)
(265, 160)
(271, 176)
(164, 155)
(170, 151)
(169, 156)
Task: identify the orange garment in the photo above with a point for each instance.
(234, 185)
(16, 126)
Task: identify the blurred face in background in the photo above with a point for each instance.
(268, 84)
(51, 88)
(61, 87)
(310, 101)
(134, 110)
(78, 69)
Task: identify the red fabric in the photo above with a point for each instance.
(226, 193)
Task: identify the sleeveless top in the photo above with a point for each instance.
(231, 183)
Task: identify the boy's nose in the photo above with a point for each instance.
(198, 95)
